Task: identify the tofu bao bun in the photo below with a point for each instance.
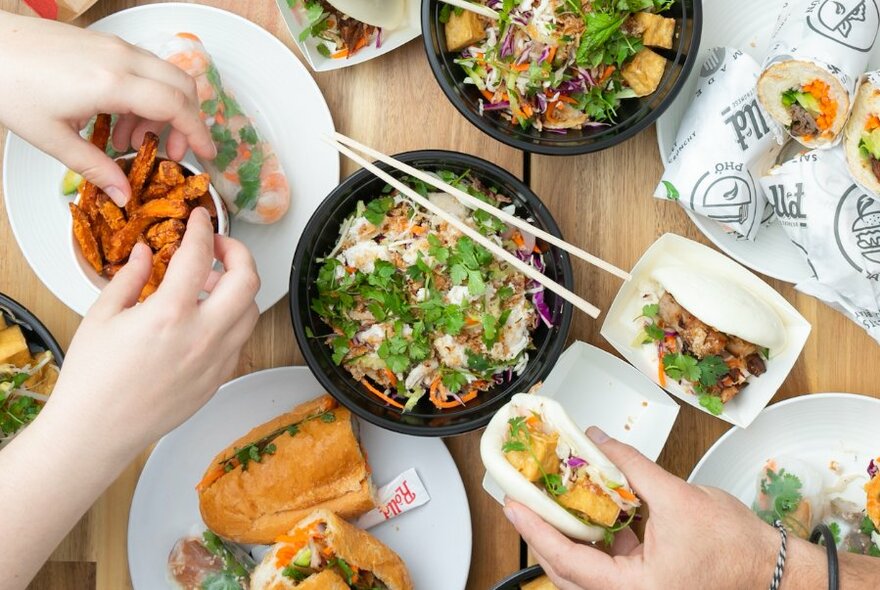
(387, 14)
(541, 459)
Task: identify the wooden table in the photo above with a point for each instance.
(602, 202)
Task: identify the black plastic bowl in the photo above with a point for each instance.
(38, 337)
(633, 116)
(516, 580)
(321, 234)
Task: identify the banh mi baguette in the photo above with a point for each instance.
(862, 135)
(268, 480)
(541, 459)
(322, 546)
(806, 99)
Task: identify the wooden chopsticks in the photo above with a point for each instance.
(473, 7)
(470, 232)
(475, 203)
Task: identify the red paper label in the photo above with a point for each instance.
(44, 8)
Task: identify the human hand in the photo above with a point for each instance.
(56, 77)
(695, 537)
(134, 372)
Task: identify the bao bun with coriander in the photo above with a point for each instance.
(265, 482)
(541, 459)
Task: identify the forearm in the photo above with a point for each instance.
(51, 475)
(807, 568)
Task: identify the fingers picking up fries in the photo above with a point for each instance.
(164, 193)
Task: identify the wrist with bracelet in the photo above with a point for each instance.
(820, 533)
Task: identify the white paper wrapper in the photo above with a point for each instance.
(713, 166)
(837, 227)
(404, 493)
(837, 35)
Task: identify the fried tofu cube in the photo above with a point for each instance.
(587, 498)
(644, 72)
(43, 381)
(13, 347)
(656, 30)
(463, 30)
(542, 583)
(544, 449)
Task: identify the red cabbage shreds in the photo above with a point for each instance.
(507, 43)
(493, 3)
(542, 102)
(524, 54)
(873, 469)
(586, 76)
(543, 308)
(556, 131)
(576, 462)
(544, 54)
(496, 106)
(498, 378)
(538, 262)
(379, 38)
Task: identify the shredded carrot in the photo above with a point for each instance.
(626, 494)
(219, 118)
(607, 73)
(527, 109)
(827, 105)
(533, 420)
(873, 123)
(210, 478)
(190, 36)
(418, 230)
(391, 377)
(518, 239)
(537, 249)
(568, 99)
(454, 403)
(362, 42)
(489, 96)
(521, 67)
(381, 395)
(243, 151)
(661, 374)
(551, 55)
(230, 176)
(551, 108)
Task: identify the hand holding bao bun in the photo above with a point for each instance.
(541, 459)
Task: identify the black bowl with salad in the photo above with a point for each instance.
(562, 77)
(30, 358)
(411, 324)
(524, 579)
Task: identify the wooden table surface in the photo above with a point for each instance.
(601, 201)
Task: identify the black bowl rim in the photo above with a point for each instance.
(524, 575)
(480, 165)
(41, 332)
(485, 125)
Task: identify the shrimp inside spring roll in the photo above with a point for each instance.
(862, 143)
(806, 99)
(541, 459)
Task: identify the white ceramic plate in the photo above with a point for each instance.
(165, 505)
(815, 428)
(273, 87)
(621, 329)
(391, 40)
(745, 25)
(597, 388)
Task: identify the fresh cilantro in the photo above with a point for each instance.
(231, 567)
(651, 310)
(671, 192)
(478, 362)
(519, 439)
(505, 292)
(340, 349)
(447, 10)
(377, 208)
(784, 491)
(712, 403)
(220, 581)
(249, 177)
(343, 567)
(294, 573)
(653, 333)
(681, 366)
(328, 417)
(835, 532)
(553, 483)
(711, 369)
(454, 381)
(867, 526)
(249, 135)
(789, 97)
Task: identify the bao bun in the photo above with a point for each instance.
(789, 74)
(724, 305)
(518, 488)
(867, 103)
(387, 14)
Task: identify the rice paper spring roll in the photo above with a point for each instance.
(836, 225)
(790, 491)
(246, 171)
(721, 145)
(818, 50)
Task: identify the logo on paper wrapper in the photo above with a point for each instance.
(402, 498)
(852, 23)
(727, 196)
(788, 204)
(747, 122)
(714, 61)
(857, 230)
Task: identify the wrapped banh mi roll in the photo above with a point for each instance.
(265, 482)
(324, 552)
(541, 459)
(818, 50)
(836, 225)
(862, 135)
(721, 145)
(246, 171)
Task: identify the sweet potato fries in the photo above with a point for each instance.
(162, 196)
